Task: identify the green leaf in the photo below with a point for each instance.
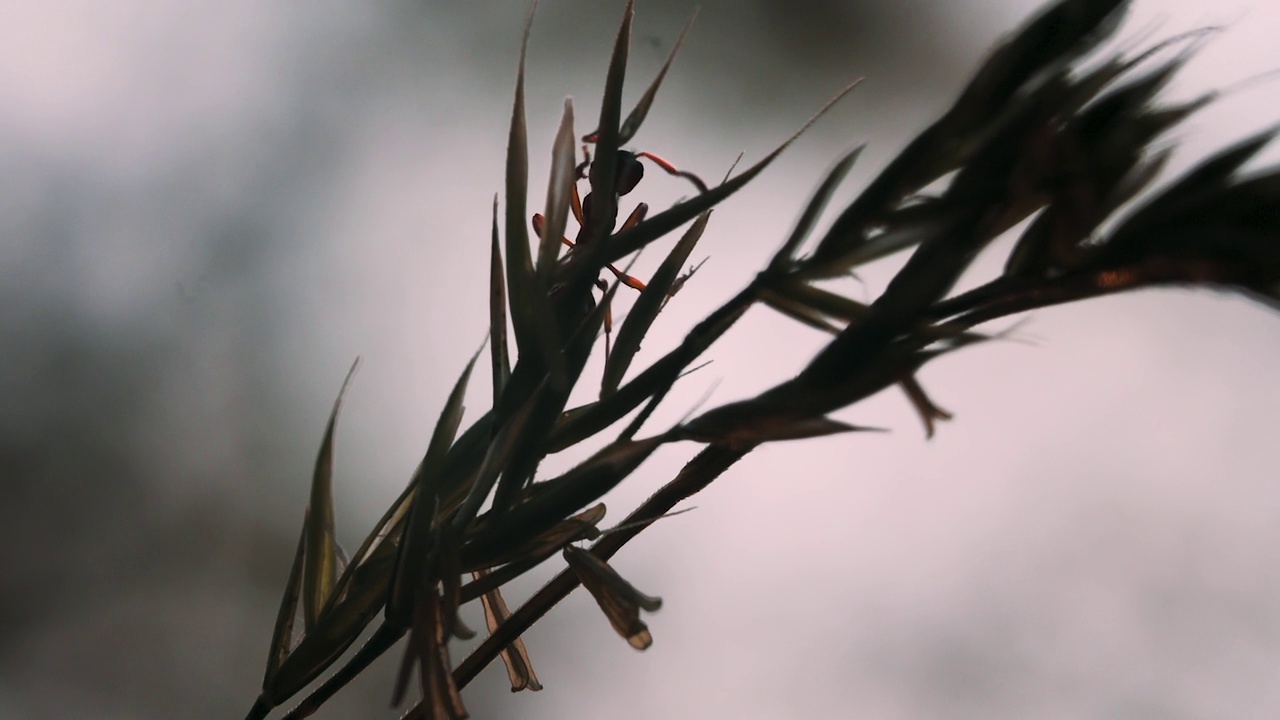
(320, 564)
(822, 302)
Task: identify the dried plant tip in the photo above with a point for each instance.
(514, 656)
(320, 564)
(619, 599)
(924, 407)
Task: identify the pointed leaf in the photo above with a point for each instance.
(652, 382)
(752, 423)
(531, 313)
(628, 241)
(579, 274)
(340, 626)
(497, 314)
(557, 498)
(823, 302)
(798, 311)
(631, 125)
(320, 564)
(282, 637)
(648, 305)
(524, 556)
(815, 207)
(417, 539)
(519, 261)
(496, 460)
(1209, 177)
(560, 189)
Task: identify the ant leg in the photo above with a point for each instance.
(673, 170)
(635, 218)
(539, 222)
(626, 279)
(581, 169)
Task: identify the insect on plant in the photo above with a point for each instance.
(629, 171)
(1036, 131)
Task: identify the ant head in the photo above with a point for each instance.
(630, 172)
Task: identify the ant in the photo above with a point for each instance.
(629, 174)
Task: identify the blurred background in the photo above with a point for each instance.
(207, 211)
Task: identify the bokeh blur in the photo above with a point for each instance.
(208, 210)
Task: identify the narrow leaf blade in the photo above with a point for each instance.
(499, 355)
(320, 564)
(559, 196)
(416, 541)
(629, 241)
(631, 125)
(648, 305)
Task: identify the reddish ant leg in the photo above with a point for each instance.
(635, 218)
(629, 176)
(637, 215)
(673, 170)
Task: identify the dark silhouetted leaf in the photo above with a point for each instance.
(320, 564)
(619, 599)
(515, 656)
(631, 125)
(500, 358)
(648, 305)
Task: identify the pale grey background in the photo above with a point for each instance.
(207, 210)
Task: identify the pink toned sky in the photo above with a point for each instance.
(1096, 534)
